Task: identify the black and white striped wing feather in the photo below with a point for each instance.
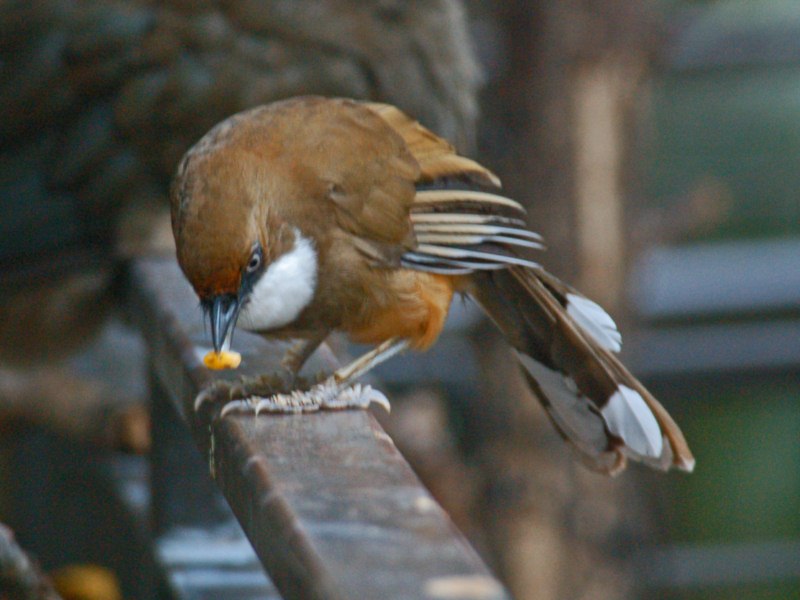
(459, 231)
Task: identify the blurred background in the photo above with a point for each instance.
(656, 145)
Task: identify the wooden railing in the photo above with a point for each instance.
(331, 508)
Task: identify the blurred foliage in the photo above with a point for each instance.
(725, 122)
(747, 481)
(765, 591)
(742, 130)
(727, 110)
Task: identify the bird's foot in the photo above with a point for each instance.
(224, 392)
(328, 395)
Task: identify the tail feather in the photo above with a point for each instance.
(465, 226)
(567, 354)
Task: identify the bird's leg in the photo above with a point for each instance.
(299, 352)
(366, 362)
(333, 393)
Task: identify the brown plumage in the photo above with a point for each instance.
(312, 215)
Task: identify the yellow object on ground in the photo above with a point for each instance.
(86, 582)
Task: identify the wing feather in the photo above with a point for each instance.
(463, 224)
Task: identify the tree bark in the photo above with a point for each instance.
(560, 112)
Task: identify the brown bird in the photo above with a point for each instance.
(312, 215)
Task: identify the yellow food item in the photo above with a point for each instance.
(86, 582)
(223, 360)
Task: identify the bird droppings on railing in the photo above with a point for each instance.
(383, 437)
(463, 587)
(425, 504)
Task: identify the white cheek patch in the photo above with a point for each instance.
(287, 287)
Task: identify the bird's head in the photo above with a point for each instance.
(246, 262)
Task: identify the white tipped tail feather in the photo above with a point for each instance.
(595, 321)
(629, 418)
(626, 414)
(569, 409)
(566, 344)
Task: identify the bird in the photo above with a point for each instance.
(311, 215)
(101, 99)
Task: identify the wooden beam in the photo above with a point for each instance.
(331, 507)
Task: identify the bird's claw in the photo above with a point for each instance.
(358, 396)
(212, 394)
(224, 392)
(327, 395)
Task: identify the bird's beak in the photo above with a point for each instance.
(223, 314)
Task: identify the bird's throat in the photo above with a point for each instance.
(284, 290)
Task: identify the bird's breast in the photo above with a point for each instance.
(410, 304)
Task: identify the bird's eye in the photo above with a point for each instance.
(255, 261)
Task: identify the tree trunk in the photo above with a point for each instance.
(559, 118)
